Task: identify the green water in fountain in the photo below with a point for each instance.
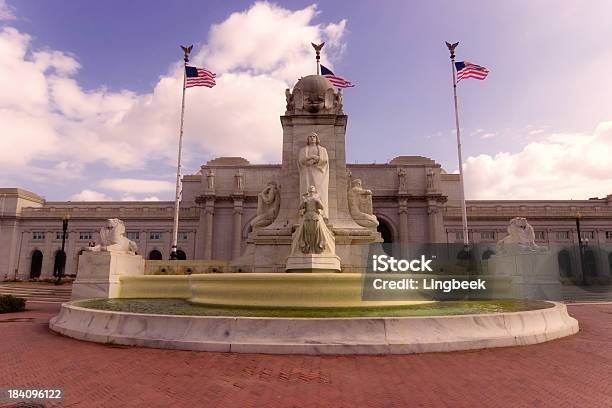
(182, 307)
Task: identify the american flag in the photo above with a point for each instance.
(335, 80)
(199, 77)
(468, 70)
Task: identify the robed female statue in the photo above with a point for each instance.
(313, 165)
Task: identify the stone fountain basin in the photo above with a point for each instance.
(345, 335)
(257, 289)
(316, 290)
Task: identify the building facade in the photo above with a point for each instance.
(413, 198)
(215, 223)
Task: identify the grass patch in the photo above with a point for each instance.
(184, 308)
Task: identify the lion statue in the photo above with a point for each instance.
(112, 239)
(521, 237)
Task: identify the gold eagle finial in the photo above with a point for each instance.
(317, 48)
(187, 51)
(451, 48)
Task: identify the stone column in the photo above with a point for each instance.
(48, 255)
(237, 239)
(403, 225)
(434, 225)
(208, 231)
(71, 250)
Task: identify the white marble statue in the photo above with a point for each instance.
(313, 165)
(521, 237)
(312, 236)
(360, 205)
(112, 239)
(268, 203)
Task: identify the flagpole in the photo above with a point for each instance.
(451, 48)
(177, 198)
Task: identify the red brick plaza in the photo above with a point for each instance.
(572, 372)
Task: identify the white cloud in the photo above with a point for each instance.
(268, 39)
(90, 195)
(131, 197)
(128, 185)
(560, 166)
(61, 63)
(47, 117)
(6, 11)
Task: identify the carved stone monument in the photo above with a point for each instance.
(101, 266)
(360, 205)
(313, 245)
(268, 203)
(313, 165)
(314, 137)
(521, 238)
(533, 268)
(112, 239)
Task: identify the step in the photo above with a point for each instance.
(17, 294)
(34, 289)
(62, 295)
(47, 300)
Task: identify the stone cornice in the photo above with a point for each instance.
(529, 212)
(20, 193)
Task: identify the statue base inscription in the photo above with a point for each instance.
(313, 263)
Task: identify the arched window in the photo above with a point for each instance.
(181, 255)
(59, 262)
(155, 255)
(36, 265)
(565, 263)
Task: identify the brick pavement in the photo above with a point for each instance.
(572, 372)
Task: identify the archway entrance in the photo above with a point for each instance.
(590, 264)
(36, 265)
(385, 231)
(59, 263)
(155, 255)
(386, 235)
(565, 264)
(181, 255)
(487, 254)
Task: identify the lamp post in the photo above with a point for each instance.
(581, 246)
(60, 265)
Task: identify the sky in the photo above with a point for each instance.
(90, 91)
